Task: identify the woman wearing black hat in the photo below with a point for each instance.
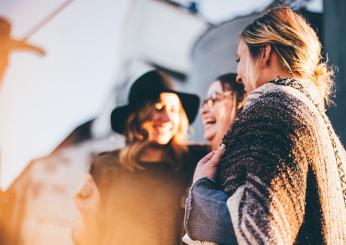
(139, 193)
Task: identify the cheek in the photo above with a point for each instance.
(214, 110)
(176, 120)
(244, 75)
(224, 114)
(154, 116)
(239, 73)
(221, 115)
(148, 126)
(240, 66)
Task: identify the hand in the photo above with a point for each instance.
(207, 166)
(87, 198)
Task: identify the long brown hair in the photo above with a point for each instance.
(137, 139)
(296, 44)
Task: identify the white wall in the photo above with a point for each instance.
(43, 99)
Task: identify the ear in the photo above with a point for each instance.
(266, 55)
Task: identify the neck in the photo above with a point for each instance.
(213, 146)
(281, 75)
(273, 75)
(273, 71)
(153, 153)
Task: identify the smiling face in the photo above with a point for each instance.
(217, 113)
(163, 123)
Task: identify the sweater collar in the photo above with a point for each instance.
(305, 87)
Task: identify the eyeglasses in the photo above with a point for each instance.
(216, 97)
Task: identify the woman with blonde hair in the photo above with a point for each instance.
(279, 177)
(135, 195)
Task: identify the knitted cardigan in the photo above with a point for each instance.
(284, 169)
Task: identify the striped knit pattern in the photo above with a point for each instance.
(284, 169)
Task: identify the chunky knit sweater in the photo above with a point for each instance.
(284, 169)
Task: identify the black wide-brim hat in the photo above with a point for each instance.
(147, 88)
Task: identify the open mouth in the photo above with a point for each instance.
(163, 128)
(210, 121)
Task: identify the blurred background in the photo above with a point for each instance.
(75, 65)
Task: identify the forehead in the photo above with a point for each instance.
(214, 88)
(242, 48)
(169, 99)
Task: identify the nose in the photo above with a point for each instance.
(205, 108)
(164, 115)
(238, 79)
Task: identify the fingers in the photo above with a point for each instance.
(207, 166)
(207, 157)
(218, 153)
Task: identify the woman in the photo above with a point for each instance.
(224, 101)
(225, 98)
(283, 169)
(140, 189)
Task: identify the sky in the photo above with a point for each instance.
(44, 98)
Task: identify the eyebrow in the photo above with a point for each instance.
(215, 93)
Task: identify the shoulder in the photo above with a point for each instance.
(106, 159)
(274, 103)
(277, 95)
(273, 113)
(105, 162)
(289, 94)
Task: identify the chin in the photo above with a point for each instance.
(209, 139)
(163, 141)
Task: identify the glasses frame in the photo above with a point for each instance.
(217, 97)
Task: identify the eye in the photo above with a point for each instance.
(213, 95)
(159, 106)
(174, 109)
(237, 60)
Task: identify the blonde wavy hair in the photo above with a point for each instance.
(137, 139)
(296, 44)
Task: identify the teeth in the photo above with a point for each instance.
(163, 128)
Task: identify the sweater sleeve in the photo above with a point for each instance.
(206, 215)
(264, 171)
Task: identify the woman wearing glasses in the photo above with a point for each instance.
(224, 101)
